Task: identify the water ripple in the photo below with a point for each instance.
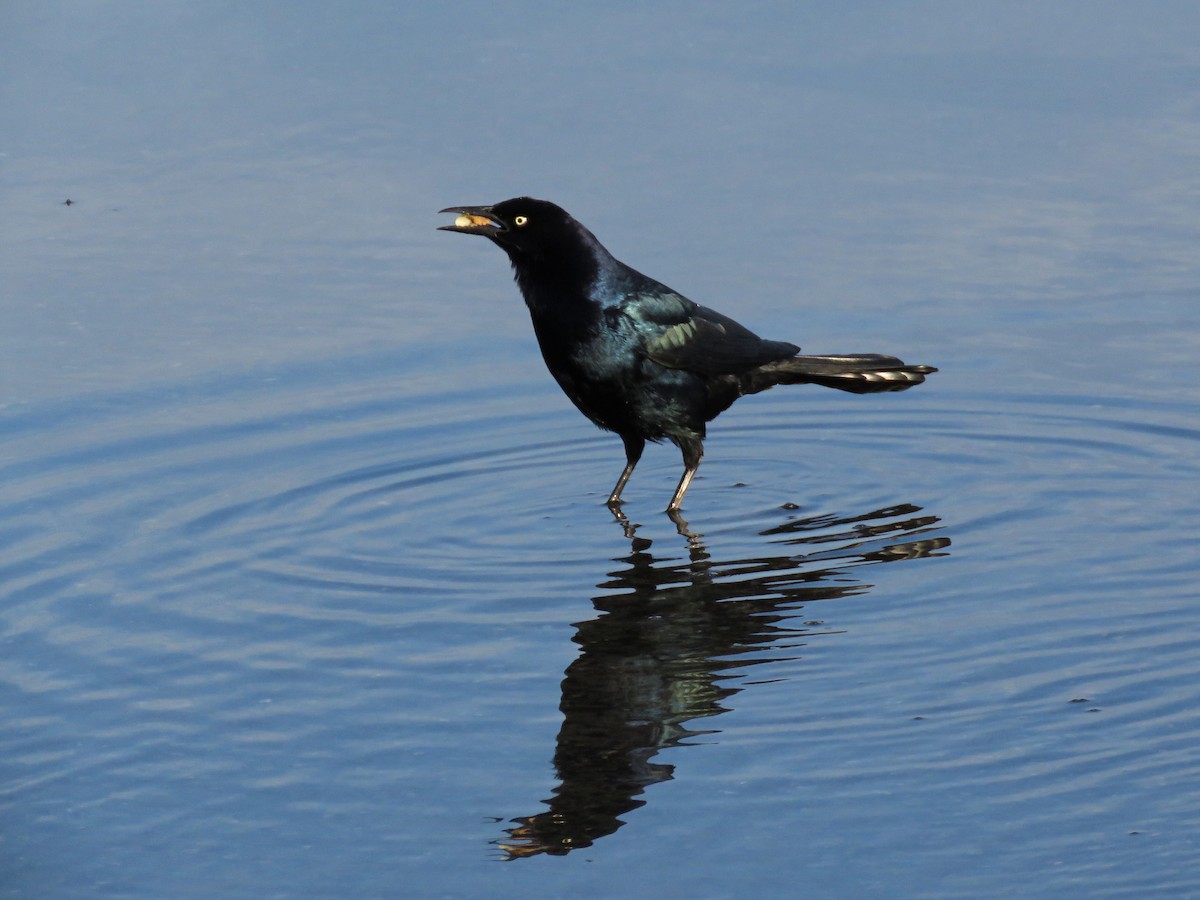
(246, 593)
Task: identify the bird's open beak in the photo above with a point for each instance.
(474, 220)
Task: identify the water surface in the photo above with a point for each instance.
(306, 583)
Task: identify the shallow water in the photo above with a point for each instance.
(307, 587)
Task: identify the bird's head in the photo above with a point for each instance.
(553, 257)
(525, 228)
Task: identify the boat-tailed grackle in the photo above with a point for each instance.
(638, 358)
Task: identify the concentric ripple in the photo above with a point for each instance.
(258, 604)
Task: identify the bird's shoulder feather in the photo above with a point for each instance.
(681, 334)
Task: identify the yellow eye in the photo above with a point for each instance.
(520, 220)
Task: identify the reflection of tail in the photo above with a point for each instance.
(910, 550)
(868, 538)
(864, 373)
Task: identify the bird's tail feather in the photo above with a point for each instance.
(866, 373)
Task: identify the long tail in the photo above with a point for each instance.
(865, 373)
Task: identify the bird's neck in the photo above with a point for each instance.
(559, 283)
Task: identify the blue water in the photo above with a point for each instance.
(307, 588)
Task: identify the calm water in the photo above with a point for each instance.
(306, 584)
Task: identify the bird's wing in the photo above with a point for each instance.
(681, 334)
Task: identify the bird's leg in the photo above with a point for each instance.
(693, 450)
(634, 445)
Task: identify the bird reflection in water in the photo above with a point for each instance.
(671, 640)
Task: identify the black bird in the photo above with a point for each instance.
(638, 358)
